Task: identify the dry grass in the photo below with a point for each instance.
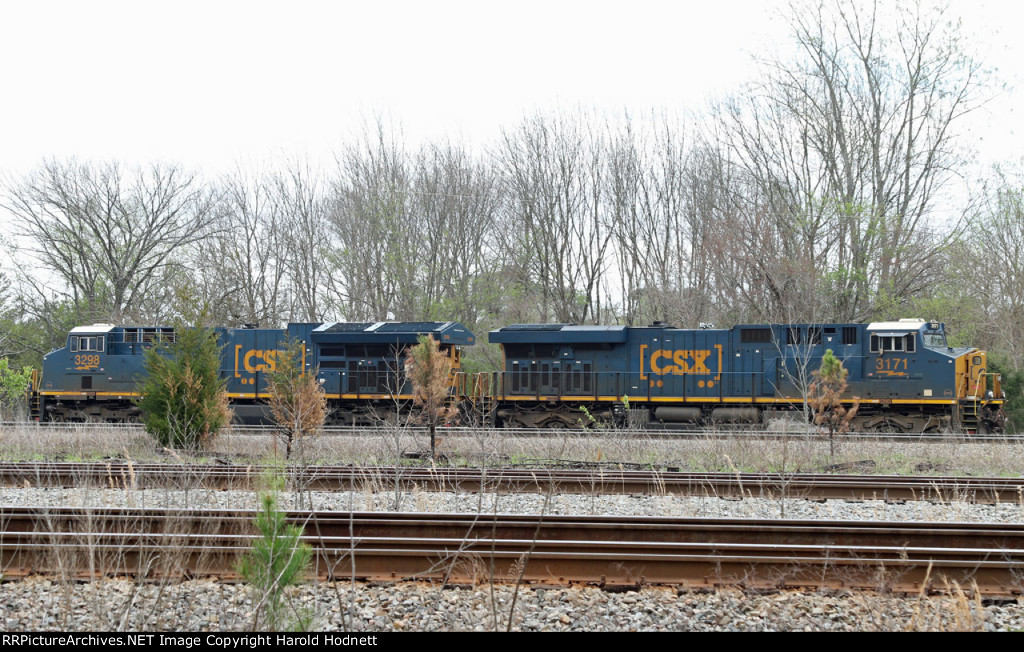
(97, 584)
(714, 452)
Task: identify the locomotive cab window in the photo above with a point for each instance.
(885, 342)
(92, 343)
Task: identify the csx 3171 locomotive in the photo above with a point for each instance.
(904, 375)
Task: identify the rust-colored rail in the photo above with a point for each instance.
(588, 481)
(475, 548)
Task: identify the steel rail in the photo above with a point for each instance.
(546, 549)
(605, 480)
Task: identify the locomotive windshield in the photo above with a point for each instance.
(935, 340)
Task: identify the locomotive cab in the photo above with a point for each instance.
(87, 353)
(923, 384)
(93, 378)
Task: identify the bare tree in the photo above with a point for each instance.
(455, 206)
(553, 174)
(850, 146)
(106, 231)
(299, 203)
(243, 266)
(665, 199)
(991, 271)
(379, 248)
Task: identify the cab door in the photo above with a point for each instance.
(88, 361)
(889, 364)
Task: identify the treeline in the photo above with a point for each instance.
(831, 189)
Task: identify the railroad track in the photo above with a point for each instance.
(603, 480)
(363, 431)
(537, 549)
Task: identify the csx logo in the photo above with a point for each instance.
(255, 360)
(665, 361)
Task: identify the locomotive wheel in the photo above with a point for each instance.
(555, 424)
(890, 427)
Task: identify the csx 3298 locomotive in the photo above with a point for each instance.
(904, 375)
(95, 377)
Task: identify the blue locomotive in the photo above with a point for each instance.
(904, 375)
(95, 377)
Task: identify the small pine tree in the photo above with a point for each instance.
(277, 560)
(297, 401)
(825, 398)
(430, 370)
(184, 402)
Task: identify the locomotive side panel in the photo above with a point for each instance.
(96, 376)
(674, 365)
(361, 366)
(247, 356)
(903, 375)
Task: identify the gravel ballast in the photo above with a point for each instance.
(205, 605)
(209, 605)
(525, 503)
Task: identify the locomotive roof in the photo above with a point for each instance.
(564, 333)
(95, 328)
(901, 325)
(448, 332)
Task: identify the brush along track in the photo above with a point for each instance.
(606, 480)
(798, 432)
(558, 550)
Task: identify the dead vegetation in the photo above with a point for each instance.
(801, 452)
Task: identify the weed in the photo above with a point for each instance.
(588, 419)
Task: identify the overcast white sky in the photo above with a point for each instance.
(214, 82)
